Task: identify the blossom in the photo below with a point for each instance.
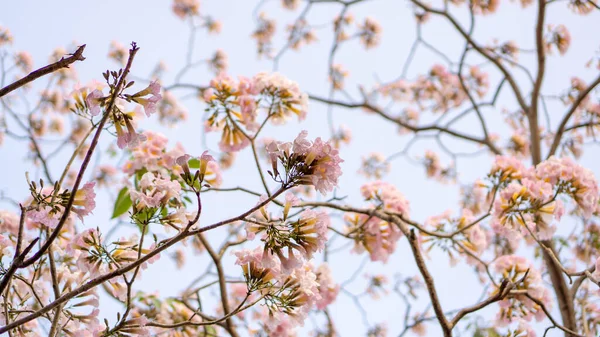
(337, 74)
(527, 278)
(307, 163)
(183, 8)
(170, 111)
(93, 100)
(388, 195)
(84, 200)
(372, 234)
(287, 98)
(149, 103)
(218, 63)
(264, 33)
(24, 61)
(154, 191)
(9, 222)
(370, 32)
(5, 36)
(86, 247)
(290, 4)
(300, 33)
(582, 7)
(128, 137)
(558, 36)
(572, 179)
(374, 165)
(327, 289)
(118, 52)
(45, 216)
(485, 7)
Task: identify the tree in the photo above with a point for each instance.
(267, 232)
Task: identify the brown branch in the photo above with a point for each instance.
(427, 278)
(121, 271)
(503, 291)
(20, 261)
(222, 285)
(558, 325)
(532, 114)
(480, 50)
(62, 63)
(403, 124)
(563, 124)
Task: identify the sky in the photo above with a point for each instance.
(41, 26)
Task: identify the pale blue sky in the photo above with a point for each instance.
(41, 26)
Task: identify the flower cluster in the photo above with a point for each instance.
(527, 200)
(155, 191)
(376, 236)
(289, 295)
(234, 106)
(93, 100)
(434, 168)
(558, 36)
(306, 163)
(185, 8)
(263, 34)
(170, 111)
(374, 166)
(439, 90)
(49, 204)
(300, 33)
(370, 33)
(528, 281)
(152, 155)
(305, 236)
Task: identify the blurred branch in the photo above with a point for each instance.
(62, 63)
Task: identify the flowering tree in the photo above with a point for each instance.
(109, 200)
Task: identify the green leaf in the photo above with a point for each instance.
(209, 331)
(194, 163)
(122, 204)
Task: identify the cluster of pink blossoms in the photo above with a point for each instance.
(147, 98)
(290, 294)
(155, 191)
(235, 105)
(95, 257)
(153, 156)
(571, 179)
(49, 206)
(527, 278)
(528, 198)
(306, 163)
(441, 88)
(306, 235)
(474, 238)
(376, 236)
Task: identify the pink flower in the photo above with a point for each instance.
(507, 168)
(93, 101)
(526, 277)
(372, 234)
(247, 86)
(183, 8)
(311, 231)
(9, 222)
(154, 191)
(323, 160)
(84, 198)
(572, 179)
(149, 103)
(387, 194)
(45, 215)
(328, 289)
